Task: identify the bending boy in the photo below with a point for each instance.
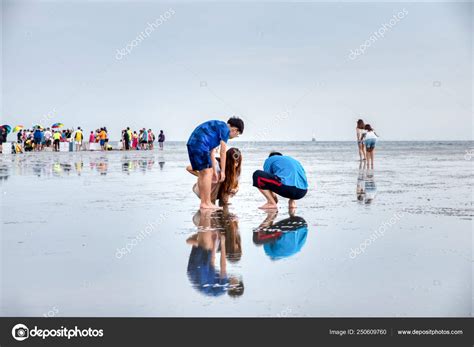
(282, 175)
(201, 149)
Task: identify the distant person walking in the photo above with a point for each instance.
(360, 131)
(370, 139)
(161, 139)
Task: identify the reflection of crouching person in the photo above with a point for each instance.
(282, 175)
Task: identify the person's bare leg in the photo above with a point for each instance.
(204, 183)
(291, 204)
(271, 203)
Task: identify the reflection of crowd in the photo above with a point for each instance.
(65, 165)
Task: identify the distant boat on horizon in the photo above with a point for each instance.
(313, 139)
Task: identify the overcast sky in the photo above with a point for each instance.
(283, 67)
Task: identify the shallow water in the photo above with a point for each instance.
(119, 234)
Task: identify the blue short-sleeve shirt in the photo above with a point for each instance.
(209, 135)
(288, 169)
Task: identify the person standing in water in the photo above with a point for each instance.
(202, 144)
(282, 175)
(56, 140)
(360, 131)
(78, 137)
(161, 139)
(370, 139)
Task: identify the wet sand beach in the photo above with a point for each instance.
(119, 234)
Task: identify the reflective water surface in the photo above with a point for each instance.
(120, 234)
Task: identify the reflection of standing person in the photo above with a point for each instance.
(202, 271)
(360, 191)
(370, 139)
(161, 139)
(360, 131)
(370, 187)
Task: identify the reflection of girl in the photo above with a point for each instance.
(360, 131)
(222, 191)
(360, 191)
(202, 270)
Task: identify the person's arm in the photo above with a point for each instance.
(223, 159)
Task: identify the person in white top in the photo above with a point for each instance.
(370, 139)
(47, 137)
(360, 131)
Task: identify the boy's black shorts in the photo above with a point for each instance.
(267, 181)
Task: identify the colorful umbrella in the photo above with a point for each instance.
(57, 125)
(38, 126)
(18, 127)
(7, 128)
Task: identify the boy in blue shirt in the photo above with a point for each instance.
(282, 175)
(201, 149)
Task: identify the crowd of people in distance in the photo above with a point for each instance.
(40, 139)
(143, 140)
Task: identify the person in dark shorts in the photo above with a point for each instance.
(202, 146)
(281, 175)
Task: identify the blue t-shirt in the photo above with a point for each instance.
(288, 169)
(37, 134)
(209, 135)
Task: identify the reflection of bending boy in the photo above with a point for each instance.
(201, 270)
(282, 175)
(282, 239)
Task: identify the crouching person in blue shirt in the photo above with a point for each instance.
(282, 175)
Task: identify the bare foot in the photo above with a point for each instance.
(269, 206)
(209, 207)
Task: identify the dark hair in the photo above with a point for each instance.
(274, 153)
(368, 127)
(236, 122)
(360, 124)
(232, 171)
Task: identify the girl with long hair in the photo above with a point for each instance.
(360, 132)
(222, 191)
